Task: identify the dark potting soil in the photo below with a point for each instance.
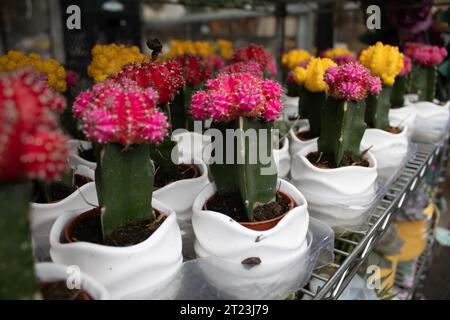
(89, 229)
(394, 130)
(305, 135)
(58, 191)
(58, 291)
(324, 161)
(185, 171)
(87, 154)
(231, 205)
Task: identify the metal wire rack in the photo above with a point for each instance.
(407, 182)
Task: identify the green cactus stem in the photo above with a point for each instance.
(344, 126)
(424, 82)
(254, 178)
(17, 279)
(180, 117)
(377, 109)
(309, 107)
(398, 92)
(127, 175)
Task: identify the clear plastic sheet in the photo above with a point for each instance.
(353, 217)
(215, 279)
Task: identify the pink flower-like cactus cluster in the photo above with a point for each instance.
(425, 55)
(215, 62)
(195, 69)
(344, 58)
(230, 96)
(123, 113)
(166, 78)
(406, 66)
(252, 68)
(31, 146)
(255, 53)
(351, 81)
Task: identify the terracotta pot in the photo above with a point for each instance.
(266, 224)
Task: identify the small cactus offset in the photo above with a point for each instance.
(400, 85)
(127, 124)
(426, 59)
(248, 106)
(343, 115)
(31, 147)
(314, 91)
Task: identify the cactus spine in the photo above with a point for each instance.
(309, 106)
(345, 125)
(127, 175)
(246, 177)
(377, 109)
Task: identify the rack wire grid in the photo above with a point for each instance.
(409, 179)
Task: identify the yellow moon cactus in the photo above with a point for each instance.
(312, 76)
(335, 52)
(293, 58)
(384, 61)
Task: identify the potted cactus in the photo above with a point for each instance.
(401, 111)
(337, 175)
(31, 147)
(127, 232)
(255, 53)
(389, 144)
(431, 118)
(312, 100)
(246, 203)
(289, 61)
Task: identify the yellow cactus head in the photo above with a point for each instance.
(312, 76)
(335, 52)
(108, 60)
(225, 48)
(384, 61)
(56, 74)
(181, 47)
(293, 58)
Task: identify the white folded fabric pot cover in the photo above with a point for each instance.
(403, 117)
(282, 158)
(191, 145)
(219, 235)
(389, 149)
(47, 272)
(43, 215)
(431, 121)
(126, 272)
(296, 144)
(339, 196)
(74, 158)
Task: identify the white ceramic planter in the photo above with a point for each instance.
(411, 98)
(290, 107)
(48, 271)
(180, 196)
(131, 272)
(431, 121)
(403, 117)
(282, 159)
(223, 244)
(74, 158)
(43, 215)
(296, 144)
(389, 149)
(340, 196)
(191, 145)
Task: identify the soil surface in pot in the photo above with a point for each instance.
(58, 291)
(231, 205)
(185, 171)
(305, 135)
(87, 154)
(324, 161)
(57, 191)
(88, 227)
(394, 130)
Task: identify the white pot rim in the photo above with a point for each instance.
(293, 135)
(313, 147)
(60, 224)
(403, 128)
(211, 188)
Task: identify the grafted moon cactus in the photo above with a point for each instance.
(343, 115)
(31, 147)
(248, 105)
(399, 87)
(124, 119)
